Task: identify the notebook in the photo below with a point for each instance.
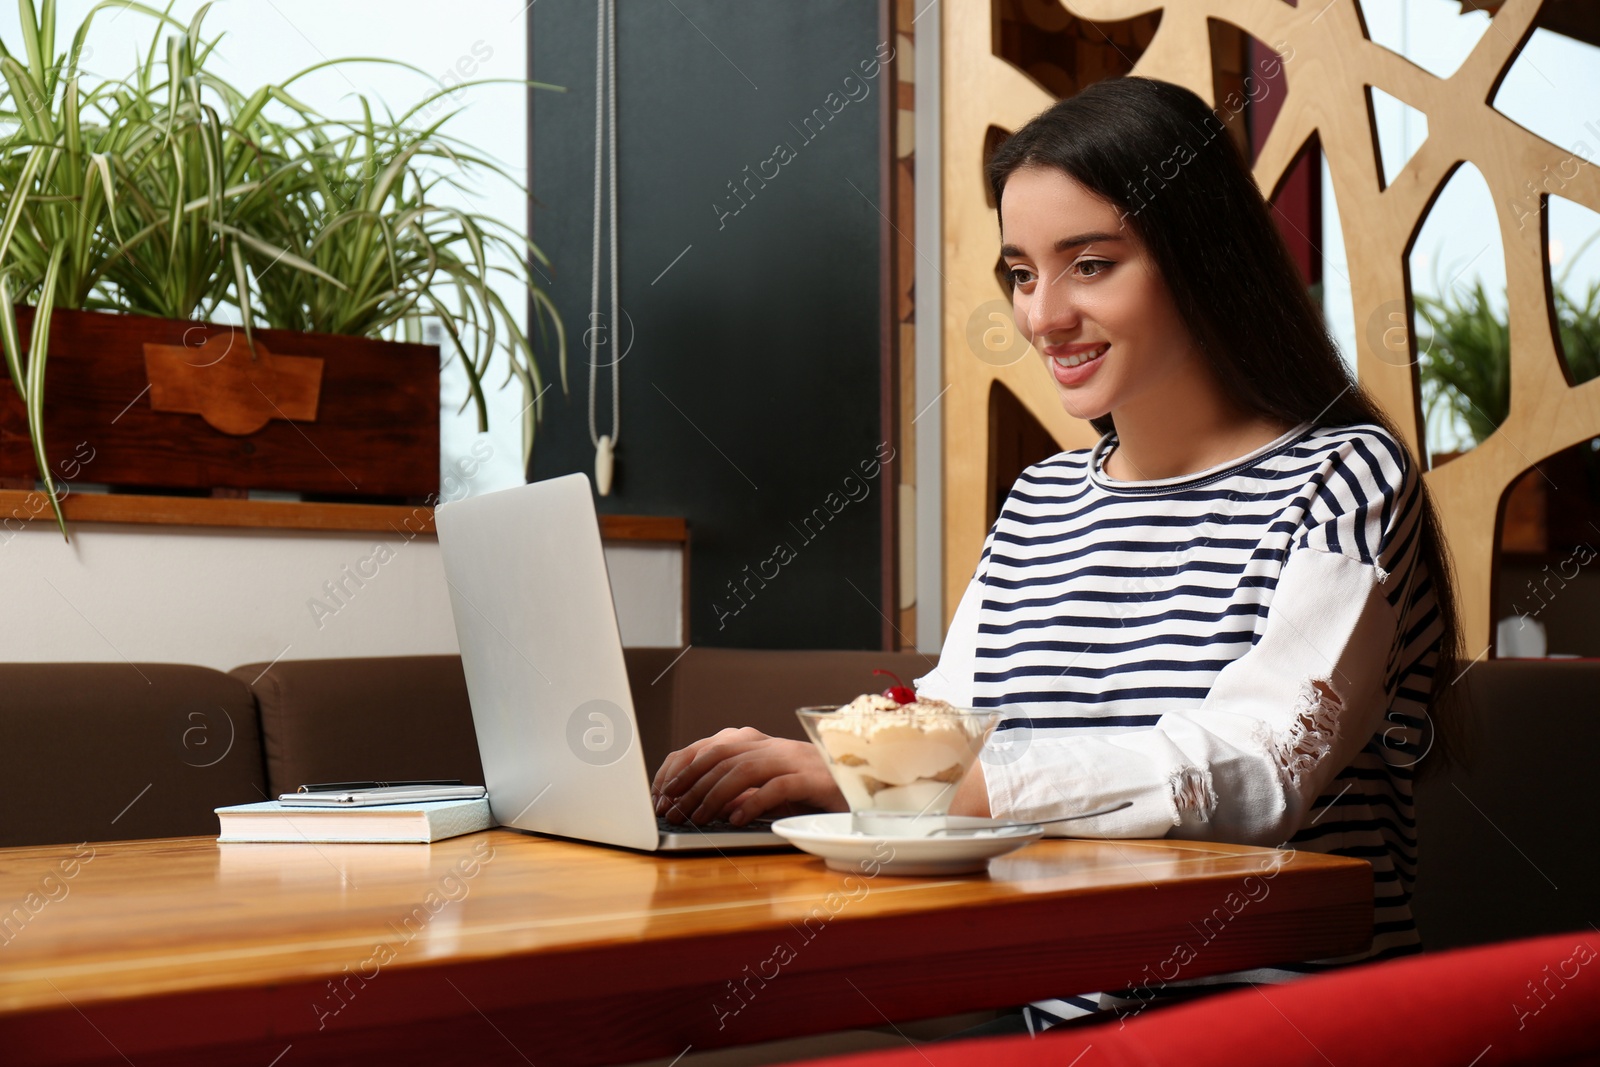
(433, 821)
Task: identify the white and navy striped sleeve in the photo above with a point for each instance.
(1280, 720)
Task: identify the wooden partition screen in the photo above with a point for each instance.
(1329, 65)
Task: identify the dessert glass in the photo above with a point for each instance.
(898, 766)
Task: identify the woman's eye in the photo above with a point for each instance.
(1086, 268)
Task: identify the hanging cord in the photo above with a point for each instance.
(605, 91)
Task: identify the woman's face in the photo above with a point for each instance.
(1085, 289)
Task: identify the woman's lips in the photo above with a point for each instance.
(1082, 372)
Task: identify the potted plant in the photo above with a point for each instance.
(1465, 353)
(145, 213)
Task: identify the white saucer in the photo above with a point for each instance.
(830, 836)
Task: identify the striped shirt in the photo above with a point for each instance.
(1244, 654)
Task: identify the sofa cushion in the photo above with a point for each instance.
(116, 751)
(378, 718)
(648, 673)
(399, 717)
(1505, 842)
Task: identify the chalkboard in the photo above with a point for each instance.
(749, 250)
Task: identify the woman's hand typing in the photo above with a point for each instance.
(741, 773)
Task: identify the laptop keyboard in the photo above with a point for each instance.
(718, 826)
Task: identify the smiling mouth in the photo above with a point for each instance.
(1080, 359)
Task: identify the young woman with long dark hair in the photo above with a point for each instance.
(1235, 610)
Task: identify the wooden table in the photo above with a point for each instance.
(502, 947)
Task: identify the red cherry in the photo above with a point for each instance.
(901, 693)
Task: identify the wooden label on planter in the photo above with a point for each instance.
(221, 382)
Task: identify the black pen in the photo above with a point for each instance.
(328, 787)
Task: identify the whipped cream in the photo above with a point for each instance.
(900, 757)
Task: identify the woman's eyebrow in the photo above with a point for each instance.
(1066, 243)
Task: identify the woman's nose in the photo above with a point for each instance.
(1051, 311)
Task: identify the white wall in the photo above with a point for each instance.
(222, 598)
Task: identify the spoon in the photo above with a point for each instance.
(1032, 822)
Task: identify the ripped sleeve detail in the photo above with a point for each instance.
(1310, 737)
(1296, 751)
(1193, 795)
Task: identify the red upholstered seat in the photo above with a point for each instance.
(1533, 1001)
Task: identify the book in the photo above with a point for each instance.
(422, 822)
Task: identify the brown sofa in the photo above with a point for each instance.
(408, 717)
(110, 751)
(113, 751)
(1508, 845)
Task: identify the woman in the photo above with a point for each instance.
(1235, 610)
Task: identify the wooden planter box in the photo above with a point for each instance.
(138, 401)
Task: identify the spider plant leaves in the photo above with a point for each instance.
(451, 90)
(241, 283)
(33, 381)
(474, 383)
(8, 338)
(1466, 366)
(39, 45)
(102, 169)
(72, 133)
(26, 97)
(544, 307)
(19, 198)
(279, 255)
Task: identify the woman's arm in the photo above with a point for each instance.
(739, 774)
(1277, 725)
(972, 796)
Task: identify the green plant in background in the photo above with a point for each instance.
(192, 183)
(1465, 353)
(1580, 332)
(360, 210)
(1465, 361)
(172, 193)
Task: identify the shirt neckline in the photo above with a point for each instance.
(1105, 481)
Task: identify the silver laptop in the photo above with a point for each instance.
(545, 674)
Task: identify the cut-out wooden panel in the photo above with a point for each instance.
(1329, 65)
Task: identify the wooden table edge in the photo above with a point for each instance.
(507, 988)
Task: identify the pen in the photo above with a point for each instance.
(325, 787)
